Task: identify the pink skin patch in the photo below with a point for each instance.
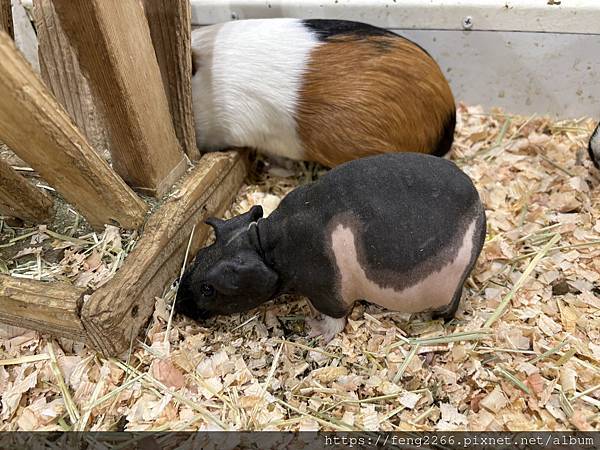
(431, 293)
(326, 327)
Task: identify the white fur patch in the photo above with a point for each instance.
(245, 90)
(433, 292)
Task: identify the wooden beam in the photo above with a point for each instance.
(41, 133)
(114, 48)
(170, 23)
(19, 198)
(6, 20)
(115, 313)
(61, 73)
(46, 307)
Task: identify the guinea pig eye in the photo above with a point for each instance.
(207, 290)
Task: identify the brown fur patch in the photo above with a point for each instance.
(375, 95)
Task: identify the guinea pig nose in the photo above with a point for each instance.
(182, 297)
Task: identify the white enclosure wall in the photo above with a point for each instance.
(526, 56)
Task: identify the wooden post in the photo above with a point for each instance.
(18, 198)
(114, 48)
(6, 20)
(170, 24)
(41, 133)
(47, 307)
(114, 314)
(61, 73)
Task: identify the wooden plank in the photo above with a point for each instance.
(115, 313)
(19, 198)
(46, 307)
(6, 19)
(41, 133)
(61, 73)
(170, 23)
(114, 48)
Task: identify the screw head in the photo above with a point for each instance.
(467, 22)
(234, 16)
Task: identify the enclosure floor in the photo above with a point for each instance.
(536, 367)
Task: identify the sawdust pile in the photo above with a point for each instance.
(522, 354)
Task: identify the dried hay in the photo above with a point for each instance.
(522, 353)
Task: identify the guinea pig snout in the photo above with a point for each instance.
(187, 306)
(186, 303)
(182, 300)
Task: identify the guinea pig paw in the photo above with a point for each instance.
(326, 327)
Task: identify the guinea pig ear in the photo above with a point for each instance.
(217, 224)
(256, 212)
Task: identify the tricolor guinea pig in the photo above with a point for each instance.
(320, 90)
(401, 230)
(594, 146)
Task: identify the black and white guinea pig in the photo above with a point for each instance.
(320, 90)
(594, 146)
(400, 230)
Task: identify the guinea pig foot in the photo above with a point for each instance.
(326, 327)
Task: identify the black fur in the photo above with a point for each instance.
(194, 62)
(595, 157)
(326, 29)
(405, 211)
(445, 143)
(330, 29)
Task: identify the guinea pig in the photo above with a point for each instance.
(594, 147)
(317, 90)
(401, 230)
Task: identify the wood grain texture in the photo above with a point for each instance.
(6, 20)
(19, 198)
(46, 307)
(115, 313)
(41, 133)
(61, 73)
(114, 50)
(170, 23)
